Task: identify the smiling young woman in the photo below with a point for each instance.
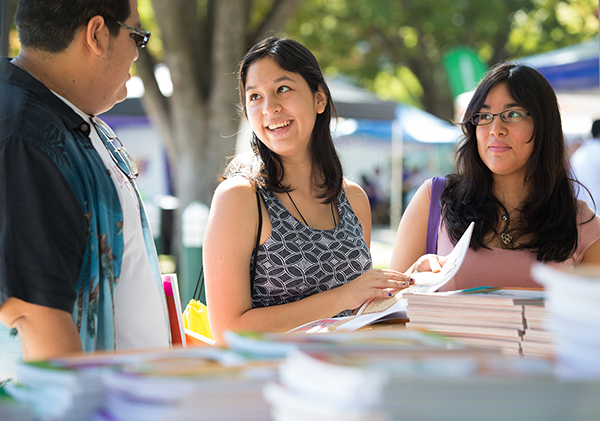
(288, 236)
(281, 107)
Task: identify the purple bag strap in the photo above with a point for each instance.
(437, 187)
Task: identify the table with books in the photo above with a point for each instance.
(450, 361)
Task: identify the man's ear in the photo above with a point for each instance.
(96, 35)
(321, 100)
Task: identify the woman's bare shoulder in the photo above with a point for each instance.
(354, 191)
(234, 191)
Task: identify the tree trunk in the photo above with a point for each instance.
(202, 49)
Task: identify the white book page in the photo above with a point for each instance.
(349, 323)
(431, 281)
(427, 281)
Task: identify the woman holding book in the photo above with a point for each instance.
(288, 236)
(513, 180)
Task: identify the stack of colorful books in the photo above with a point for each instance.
(484, 317)
(184, 383)
(57, 391)
(344, 375)
(416, 377)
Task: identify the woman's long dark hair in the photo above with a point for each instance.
(264, 168)
(547, 225)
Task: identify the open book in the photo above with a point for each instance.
(396, 311)
(379, 309)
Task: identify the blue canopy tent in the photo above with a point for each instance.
(415, 125)
(414, 142)
(573, 68)
(574, 73)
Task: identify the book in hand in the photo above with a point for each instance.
(395, 311)
(426, 281)
(394, 307)
(432, 281)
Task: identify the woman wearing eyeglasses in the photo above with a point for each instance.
(512, 179)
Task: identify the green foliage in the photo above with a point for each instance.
(396, 47)
(552, 24)
(146, 12)
(396, 84)
(13, 39)
(260, 8)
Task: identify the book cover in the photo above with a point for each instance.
(171, 287)
(481, 296)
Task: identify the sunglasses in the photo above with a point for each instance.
(139, 36)
(118, 153)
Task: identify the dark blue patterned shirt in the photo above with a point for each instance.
(61, 238)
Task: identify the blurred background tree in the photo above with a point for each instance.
(201, 43)
(396, 48)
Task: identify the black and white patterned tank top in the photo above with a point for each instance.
(298, 261)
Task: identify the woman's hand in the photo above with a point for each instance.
(375, 283)
(428, 263)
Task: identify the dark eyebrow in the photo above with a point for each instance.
(513, 105)
(279, 79)
(282, 78)
(506, 106)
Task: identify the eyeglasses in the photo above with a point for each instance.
(508, 116)
(125, 163)
(139, 36)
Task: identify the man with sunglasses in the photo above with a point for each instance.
(78, 268)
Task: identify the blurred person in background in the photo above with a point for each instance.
(585, 162)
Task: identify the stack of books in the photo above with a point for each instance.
(423, 381)
(177, 384)
(57, 391)
(537, 341)
(344, 375)
(484, 317)
(13, 410)
(573, 306)
(210, 384)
